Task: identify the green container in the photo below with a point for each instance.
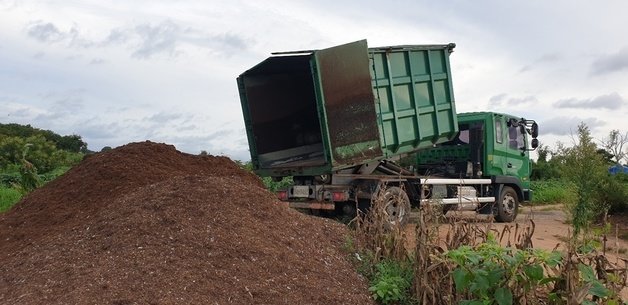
(316, 112)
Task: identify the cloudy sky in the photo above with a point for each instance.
(121, 71)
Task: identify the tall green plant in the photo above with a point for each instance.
(586, 169)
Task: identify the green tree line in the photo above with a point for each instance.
(71, 143)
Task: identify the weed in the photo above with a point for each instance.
(391, 282)
(492, 274)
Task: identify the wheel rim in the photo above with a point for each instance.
(509, 204)
(395, 211)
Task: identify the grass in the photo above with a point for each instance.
(8, 198)
(552, 192)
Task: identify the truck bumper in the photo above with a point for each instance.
(314, 205)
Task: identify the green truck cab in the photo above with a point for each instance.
(489, 145)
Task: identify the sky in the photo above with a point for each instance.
(116, 72)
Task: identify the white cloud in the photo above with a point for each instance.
(504, 101)
(45, 32)
(612, 101)
(611, 63)
(566, 125)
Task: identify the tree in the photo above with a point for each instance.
(42, 154)
(615, 144)
(545, 167)
(71, 143)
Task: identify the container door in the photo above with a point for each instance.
(349, 105)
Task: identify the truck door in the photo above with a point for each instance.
(349, 103)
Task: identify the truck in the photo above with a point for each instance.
(342, 122)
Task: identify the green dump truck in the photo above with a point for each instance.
(338, 120)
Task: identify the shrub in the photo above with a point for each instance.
(274, 186)
(613, 193)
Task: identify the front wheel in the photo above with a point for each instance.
(507, 205)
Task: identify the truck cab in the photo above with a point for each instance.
(488, 145)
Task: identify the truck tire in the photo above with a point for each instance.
(396, 205)
(507, 205)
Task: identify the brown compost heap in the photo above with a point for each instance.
(147, 224)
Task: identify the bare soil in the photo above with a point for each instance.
(146, 224)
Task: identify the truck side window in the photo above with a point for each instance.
(464, 136)
(515, 138)
(499, 135)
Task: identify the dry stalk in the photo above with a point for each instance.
(575, 290)
(432, 283)
(378, 235)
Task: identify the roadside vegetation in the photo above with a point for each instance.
(31, 157)
(457, 262)
(580, 173)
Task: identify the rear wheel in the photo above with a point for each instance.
(396, 205)
(507, 205)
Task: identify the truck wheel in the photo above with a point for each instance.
(507, 205)
(396, 206)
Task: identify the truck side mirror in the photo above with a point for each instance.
(534, 143)
(535, 131)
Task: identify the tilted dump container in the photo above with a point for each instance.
(314, 112)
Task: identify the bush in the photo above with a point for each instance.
(8, 179)
(613, 193)
(274, 186)
(43, 154)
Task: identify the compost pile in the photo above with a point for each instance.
(147, 224)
